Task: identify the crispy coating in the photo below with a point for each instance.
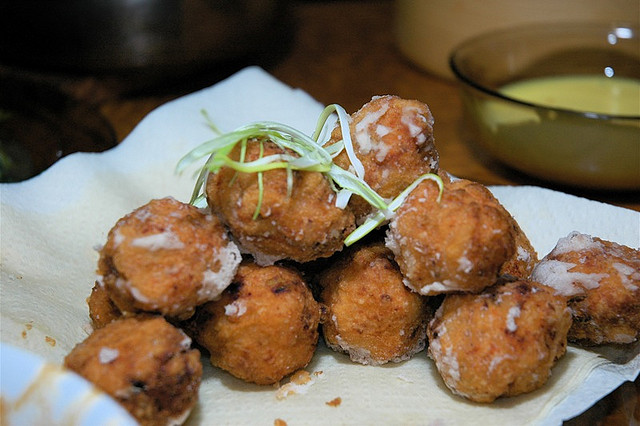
(459, 243)
(525, 257)
(102, 310)
(263, 327)
(167, 257)
(146, 364)
(501, 342)
(523, 260)
(393, 138)
(302, 225)
(370, 314)
(601, 279)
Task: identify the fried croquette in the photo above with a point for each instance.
(457, 243)
(501, 342)
(601, 280)
(263, 327)
(167, 257)
(370, 314)
(146, 364)
(102, 310)
(393, 138)
(300, 222)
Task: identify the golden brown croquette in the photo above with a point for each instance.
(167, 257)
(601, 280)
(370, 314)
(263, 327)
(501, 342)
(145, 364)
(300, 222)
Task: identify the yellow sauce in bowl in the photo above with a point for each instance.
(586, 150)
(591, 93)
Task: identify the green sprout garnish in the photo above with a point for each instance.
(210, 122)
(311, 155)
(346, 142)
(378, 217)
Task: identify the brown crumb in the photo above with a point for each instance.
(297, 384)
(28, 326)
(334, 402)
(301, 377)
(279, 422)
(50, 340)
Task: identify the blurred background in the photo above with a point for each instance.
(80, 74)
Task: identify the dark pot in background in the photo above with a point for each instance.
(60, 59)
(151, 38)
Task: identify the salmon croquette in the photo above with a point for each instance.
(145, 364)
(457, 243)
(601, 280)
(263, 327)
(297, 219)
(393, 139)
(166, 257)
(370, 313)
(501, 342)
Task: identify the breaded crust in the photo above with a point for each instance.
(263, 327)
(523, 260)
(370, 314)
(501, 342)
(601, 280)
(459, 243)
(102, 310)
(393, 138)
(167, 257)
(302, 225)
(146, 364)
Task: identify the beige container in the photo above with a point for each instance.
(427, 30)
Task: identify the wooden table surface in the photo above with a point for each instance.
(344, 52)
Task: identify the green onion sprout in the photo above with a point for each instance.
(310, 155)
(379, 216)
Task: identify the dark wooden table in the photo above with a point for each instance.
(344, 52)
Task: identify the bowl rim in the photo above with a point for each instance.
(462, 77)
